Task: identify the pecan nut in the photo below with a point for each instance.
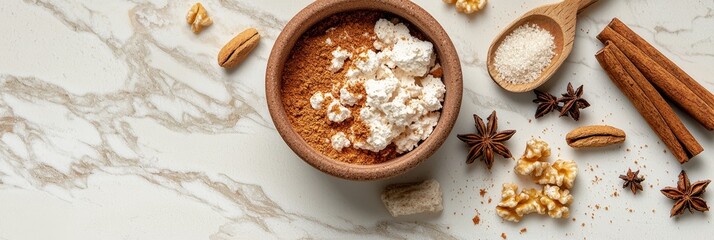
(594, 136)
(237, 50)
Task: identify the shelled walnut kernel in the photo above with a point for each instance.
(562, 173)
(533, 163)
(468, 6)
(533, 160)
(198, 18)
(551, 200)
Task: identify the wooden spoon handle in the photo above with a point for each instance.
(584, 4)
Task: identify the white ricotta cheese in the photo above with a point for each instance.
(401, 99)
(414, 56)
(339, 56)
(316, 100)
(388, 33)
(340, 141)
(380, 91)
(336, 112)
(367, 63)
(347, 98)
(418, 131)
(401, 105)
(432, 93)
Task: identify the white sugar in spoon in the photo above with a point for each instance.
(558, 19)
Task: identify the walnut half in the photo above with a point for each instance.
(550, 200)
(561, 173)
(467, 6)
(198, 18)
(533, 163)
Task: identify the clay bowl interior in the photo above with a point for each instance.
(408, 12)
(544, 22)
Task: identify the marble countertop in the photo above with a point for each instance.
(117, 123)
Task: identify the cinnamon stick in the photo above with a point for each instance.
(679, 74)
(640, 100)
(685, 138)
(662, 79)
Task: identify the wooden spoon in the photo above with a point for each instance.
(559, 20)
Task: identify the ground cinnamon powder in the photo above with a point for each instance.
(306, 72)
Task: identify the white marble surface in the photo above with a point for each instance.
(116, 123)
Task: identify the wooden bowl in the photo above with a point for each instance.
(407, 11)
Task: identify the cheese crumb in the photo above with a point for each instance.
(347, 98)
(336, 112)
(316, 100)
(340, 141)
(413, 56)
(328, 41)
(432, 93)
(388, 33)
(339, 56)
(367, 63)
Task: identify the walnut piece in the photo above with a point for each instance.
(198, 18)
(551, 200)
(533, 160)
(556, 201)
(467, 6)
(561, 173)
(470, 6)
(533, 163)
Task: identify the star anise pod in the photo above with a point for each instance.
(546, 103)
(632, 181)
(487, 141)
(687, 195)
(573, 102)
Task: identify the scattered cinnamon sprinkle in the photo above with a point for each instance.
(523, 230)
(476, 219)
(503, 235)
(306, 72)
(482, 192)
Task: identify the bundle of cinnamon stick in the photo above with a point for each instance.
(643, 73)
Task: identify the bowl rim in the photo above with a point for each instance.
(404, 9)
